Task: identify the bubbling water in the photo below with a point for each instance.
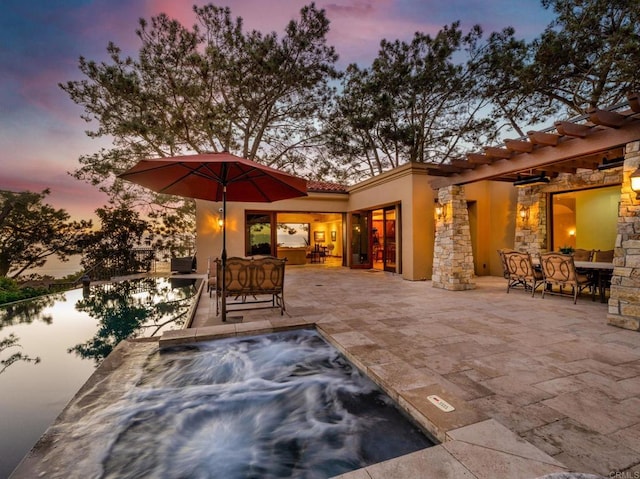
(274, 406)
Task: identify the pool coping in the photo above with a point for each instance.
(471, 444)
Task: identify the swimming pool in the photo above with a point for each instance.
(278, 405)
(71, 333)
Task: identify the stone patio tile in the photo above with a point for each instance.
(584, 450)
(254, 327)
(493, 435)
(520, 393)
(561, 385)
(398, 376)
(471, 388)
(631, 386)
(434, 462)
(624, 371)
(614, 355)
(350, 339)
(487, 463)
(507, 412)
(332, 325)
(619, 390)
(629, 437)
(444, 364)
(177, 336)
(591, 408)
(433, 419)
(215, 332)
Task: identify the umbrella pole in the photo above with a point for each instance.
(224, 253)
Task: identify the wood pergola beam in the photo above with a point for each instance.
(634, 101)
(494, 152)
(479, 158)
(598, 141)
(572, 129)
(541, 138)
(606, 118)
(519, 146)
(464, 164)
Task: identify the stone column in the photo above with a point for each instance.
(531, 233)
(624, 302)
(453, 255)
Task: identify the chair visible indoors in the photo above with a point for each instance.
(559, 270)
(604, 256)
(520, 270)
(582, 255)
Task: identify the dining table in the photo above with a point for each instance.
(601, 272)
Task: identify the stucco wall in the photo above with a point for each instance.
(209, 234)
(409, 186)
(495, 205)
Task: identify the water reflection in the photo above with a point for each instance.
(10, 342)
(29, 310)
(130, 309)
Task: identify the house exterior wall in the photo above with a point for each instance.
(408, 186)
(496, 211)
(624, 303)
(209, 233)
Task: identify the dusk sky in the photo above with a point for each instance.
(41, 132)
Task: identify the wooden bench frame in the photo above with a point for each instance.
(251, 278)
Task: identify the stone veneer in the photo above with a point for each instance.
(624, 302)
(531, 233)
(453, 254)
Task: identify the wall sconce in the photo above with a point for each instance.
(524, 213)
(572, 233)
(220, 221)
(441, 210)
(635, 182)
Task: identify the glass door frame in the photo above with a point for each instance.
(386, 244)
(364, 255)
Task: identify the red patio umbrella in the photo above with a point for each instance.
(216, 177)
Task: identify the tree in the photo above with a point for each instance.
(214, 87)
(111, 247)
(418, 102)
(587, 57)
(31, 231)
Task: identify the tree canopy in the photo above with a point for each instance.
(273, 98)
(418, 102)
(31, 231)
(213, 87)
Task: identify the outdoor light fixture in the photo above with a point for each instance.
(635, 182)
(540, 179)
(441, 210)
(524, 213)
(220, 221)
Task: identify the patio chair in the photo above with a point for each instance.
(559, 269)
(183, 265)
(520, 270)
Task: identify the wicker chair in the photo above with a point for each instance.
(520, 270)
(559, 269)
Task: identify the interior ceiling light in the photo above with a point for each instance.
(540, 179)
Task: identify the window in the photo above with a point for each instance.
(259, 239)
(585, 219)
